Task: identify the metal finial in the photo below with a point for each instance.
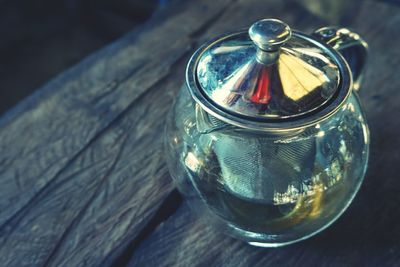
(269, 34)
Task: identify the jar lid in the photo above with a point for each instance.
(269, 75)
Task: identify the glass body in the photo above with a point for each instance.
(268, 190)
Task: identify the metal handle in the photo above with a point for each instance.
(352, 47)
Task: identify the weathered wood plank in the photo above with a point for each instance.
(368, 233)
(81, 168)
(98, 200)
(82, 172)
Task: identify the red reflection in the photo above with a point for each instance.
(262, 93)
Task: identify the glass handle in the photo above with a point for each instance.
(350, 45)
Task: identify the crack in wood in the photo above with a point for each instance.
(13, 220)
(109, 88)
(168, 207)
(76, 220)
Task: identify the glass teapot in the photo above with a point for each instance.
(267, 139)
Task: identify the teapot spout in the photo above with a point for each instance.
(350, 45)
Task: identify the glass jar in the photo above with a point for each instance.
(267, 140)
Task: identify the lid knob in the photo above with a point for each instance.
(269, 35)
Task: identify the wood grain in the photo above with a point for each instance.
(368, 234)
(82, 174)
(81, 167)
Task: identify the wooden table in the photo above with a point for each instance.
(82, 176)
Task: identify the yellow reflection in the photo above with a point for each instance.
(316, 204)
(298, 77)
